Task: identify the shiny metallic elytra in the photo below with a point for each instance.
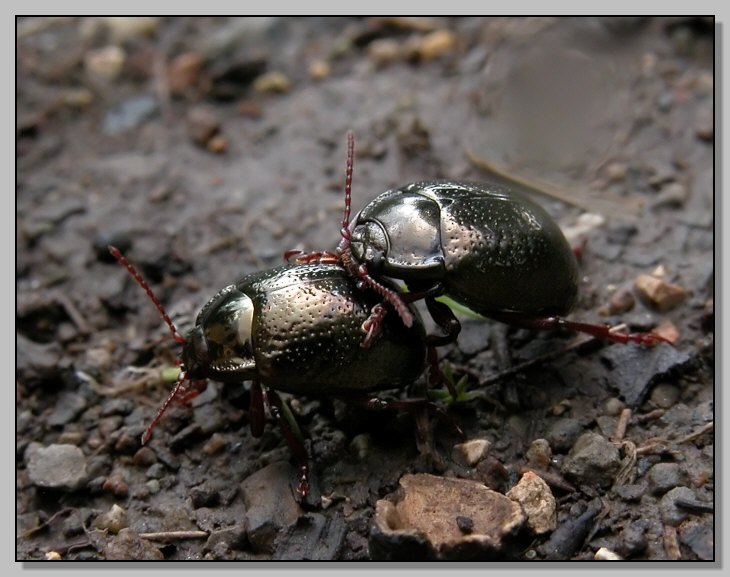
(299, 329)
(492, 248)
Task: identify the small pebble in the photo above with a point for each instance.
(384, 51)
(156, 471)
(218, 144)
(664, 395)
(123, 28)
(613, 407)
(319, 70)
(539, 454)
(215, 444)
(673, 195)
(105, 63)
(563, 433)
(435, 44)
(671, 514)
(116, 485)
(113, 520)
(658, 293)
(538, 502)
(184, 71)
(668, 331)
(71, 438)
(272, 82)
(592, 460)
(144, 457)
(128, 545)
(663, 476)
(604, 554)
(204, 496)
(360, 445)
(616, 172)
(471, 452)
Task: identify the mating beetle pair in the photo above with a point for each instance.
(299, 328)
(295, 329)
(485, 246)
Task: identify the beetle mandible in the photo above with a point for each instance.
(484, 245)
(296, 329)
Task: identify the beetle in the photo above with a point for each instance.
(296, 329)
(484, 245)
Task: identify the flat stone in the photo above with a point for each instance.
(270, 504)
(58, 467)
(128, 545)
(313, 537)
(426, 520)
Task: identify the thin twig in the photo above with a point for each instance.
(621, 425)
(45, 524)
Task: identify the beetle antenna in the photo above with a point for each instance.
(176, 391)
(345, 230)
(116, 253)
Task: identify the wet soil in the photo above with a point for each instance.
(206, 147)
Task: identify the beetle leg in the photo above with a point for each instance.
(292, 435)
(444, 318)
(615, 334)
(315, 257)
(256, 412)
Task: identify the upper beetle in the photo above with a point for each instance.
(484, 245)
(295, 329)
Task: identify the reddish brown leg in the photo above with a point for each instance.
(293, 437)
(444, 317)
(599, 331)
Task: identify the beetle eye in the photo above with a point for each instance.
(369, 245)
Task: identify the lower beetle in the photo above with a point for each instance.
(295, 329)
(483, 245)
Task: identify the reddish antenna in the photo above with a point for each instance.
(345, 230)
(116, 253)
(179, 391)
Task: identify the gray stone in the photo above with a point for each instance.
(128, 545)
(270, 504)
(664, 476)
(671, 514)
(563, 433)
(57, 467)
(592, 461)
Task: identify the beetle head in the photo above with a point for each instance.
(195, 355)
(221, 344)
(369, 246)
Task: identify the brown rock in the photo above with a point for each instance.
(538, 502)
(658, 293)
(429, 517)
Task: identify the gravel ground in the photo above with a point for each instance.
(206, 147)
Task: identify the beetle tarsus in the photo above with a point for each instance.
(605, 332)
